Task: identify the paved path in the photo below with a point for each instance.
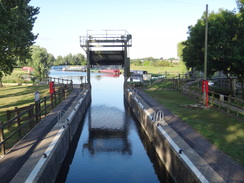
(228, 169)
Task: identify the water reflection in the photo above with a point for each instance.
(158, 165)
(108, 133)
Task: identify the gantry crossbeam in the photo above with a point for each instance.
(102, 48)
(106, 38)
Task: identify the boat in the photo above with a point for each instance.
(114, 71)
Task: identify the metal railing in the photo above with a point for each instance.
(105, 38)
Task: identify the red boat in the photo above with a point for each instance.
(114, 71)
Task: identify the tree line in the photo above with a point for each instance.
(41, 61)
(225, 44)
(78, 59)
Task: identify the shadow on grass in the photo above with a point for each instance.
(18, 96)
(11, 91)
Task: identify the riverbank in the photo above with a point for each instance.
(223, 130)
(205, 161)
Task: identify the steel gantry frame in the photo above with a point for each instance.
(107, 47)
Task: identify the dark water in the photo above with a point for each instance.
(110, 146)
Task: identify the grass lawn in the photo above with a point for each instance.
(15, 77)
(19, 96)
(154, 70)
(224, 130)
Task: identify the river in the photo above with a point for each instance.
(110, 145)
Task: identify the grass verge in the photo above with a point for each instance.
(224, 130)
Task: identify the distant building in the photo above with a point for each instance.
(29, 69)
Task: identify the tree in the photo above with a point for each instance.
(192, 52)
(17, 20)
(69, 59)
(238, 66)
(41, 61)
(80, 59)
(59, 60)
(180, 48)
(147, 63)
(136, 62)
(224, 43)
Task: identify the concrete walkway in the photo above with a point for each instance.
(227, 168)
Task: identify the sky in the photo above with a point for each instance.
(156, 26)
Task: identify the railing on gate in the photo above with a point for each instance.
(21, 120)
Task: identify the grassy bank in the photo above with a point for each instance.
(224, 130)
(18, 96)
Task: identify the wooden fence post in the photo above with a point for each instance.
(16, 113)
(55, 98)
(229, 100)
(30, 115)
(51, 98)
(40, 110)
(36, 111)
(8, 118)
(63, 93)
(212, 99)
(2, 147)
(71, 85)
(18, 121)
(45, 105)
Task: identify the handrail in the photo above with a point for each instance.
(159, 117)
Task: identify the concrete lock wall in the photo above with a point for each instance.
(184, 166)
(50, 153)
(69, 126)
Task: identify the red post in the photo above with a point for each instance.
(51, 87)
(205, 89)
(52, 91)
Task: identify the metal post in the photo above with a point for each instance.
(205, 95)
(88, 63)
(206, 44)
(126, 72)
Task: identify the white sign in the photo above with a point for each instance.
(37, 95)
